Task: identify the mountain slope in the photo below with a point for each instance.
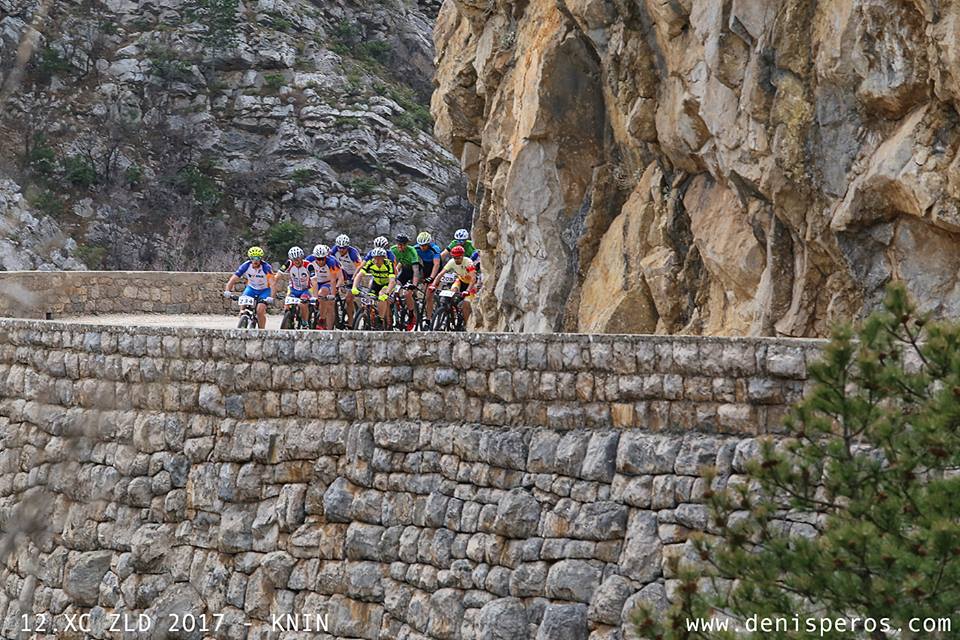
(172, 133)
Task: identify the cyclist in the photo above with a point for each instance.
(466, 271)
(409, 272)
(476, 263)
(461, 238)
(329, 276)
(429, 252)
(381, 242)
(384, 278)
(259, 276)
(301, 280)
(350, 262)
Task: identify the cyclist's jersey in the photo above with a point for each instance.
(407, 257)
(428, 255)
(467, 245)
(462, 270)
(390, 256)
(257, 277)
(324, 269)
(382, 274)
(299, 276)
(350, 261)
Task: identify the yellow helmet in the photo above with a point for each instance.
(255, 252)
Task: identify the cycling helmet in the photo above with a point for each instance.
(295, 253)
(343, 240)
(381, 242)
(321, 251)
(457, 252)
(255, 252)
(424, 238)
(378, 252)
(402, 239)
(461, 234)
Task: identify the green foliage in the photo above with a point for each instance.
(48, 203)
(198, 181)
(347, 121)
(273, 81)
(41, 157)
(91, 255)
(167, 65)
(133, 175)
(302, 177)
(871, 460)
(108, 27)
(362, 186)
(219, 17)
(346, 32)
(373, 51)
(79, 172)
(282, 236)
(50, 63)
(416, 116)
(280, 23)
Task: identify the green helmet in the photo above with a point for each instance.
(255, 252)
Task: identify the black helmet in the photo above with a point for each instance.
(402, 239)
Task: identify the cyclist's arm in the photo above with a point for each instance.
(356, 277)
(232, 281)
(436, 268)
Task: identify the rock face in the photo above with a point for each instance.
(171, 134)
(707, 167)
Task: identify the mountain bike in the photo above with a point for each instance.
(292, 318)
(248, 310)
(448, 311)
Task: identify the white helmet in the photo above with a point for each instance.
(321, 251)
(424, 238)
(295, 253)
(378, 252)
(343, 240)
(381, 242)
(461, 234)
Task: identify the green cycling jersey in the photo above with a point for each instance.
(468, 247)
(407, 257)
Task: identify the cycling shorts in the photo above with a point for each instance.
(296, 293)
(259, 294)
(406, 274)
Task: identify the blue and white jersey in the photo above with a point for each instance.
(324, 268)
(349, 258)
(256, 276)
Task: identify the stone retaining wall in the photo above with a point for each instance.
(410, 486)
(34, 294)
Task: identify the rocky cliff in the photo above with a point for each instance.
(171, 133)
(705, 166)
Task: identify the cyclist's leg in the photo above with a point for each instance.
(326, 306)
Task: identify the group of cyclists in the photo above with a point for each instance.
(402, 283)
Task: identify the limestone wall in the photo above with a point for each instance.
(33, 294)
(410, 486)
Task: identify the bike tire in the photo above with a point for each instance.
(244, 322)
(441, 320)
(360, 320)
(287, 322)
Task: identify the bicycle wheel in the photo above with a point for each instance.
(244, 321)
(441, 319)
(360, 320)
(288, 318)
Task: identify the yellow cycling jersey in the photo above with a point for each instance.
(382, 274)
